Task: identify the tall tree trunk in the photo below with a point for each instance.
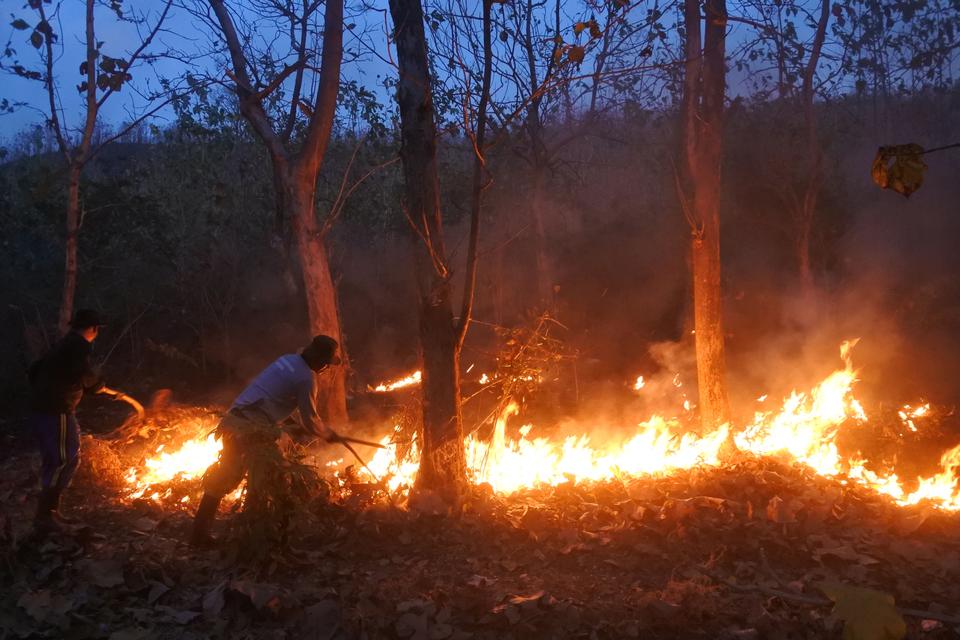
(295, 177)
(321, 296)
(545, 275)
(704, 87)
(804, 230)
(442, 461)
(73, 234)
(814, 173)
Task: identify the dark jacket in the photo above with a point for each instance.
(59, 378)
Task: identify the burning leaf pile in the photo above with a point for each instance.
(169, 453)
(804, 430)
(752, 549)
(656, 534)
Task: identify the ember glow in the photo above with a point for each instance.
(803, 430)
(408, 381)
(908, 414)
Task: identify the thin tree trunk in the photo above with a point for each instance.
(73, 234)
(539, 157)
(804, 231)
(704, 88)
(545, 277)
(280, 239)
(442, 462)
(708, 320)
(321, 297)
(814, 178)
(479, 177)
(295, 177)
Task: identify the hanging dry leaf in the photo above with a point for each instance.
(899, 167)
(575, 54)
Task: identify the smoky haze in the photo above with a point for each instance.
(616, 240)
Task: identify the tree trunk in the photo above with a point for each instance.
(703, 122)
(708, 323)
(442, 462)
(545, 276)
(321, 296)
(804, 231)
(814, 172)
(73, 233)
(295, 178)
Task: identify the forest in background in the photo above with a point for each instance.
(177, 250)
(610, 236)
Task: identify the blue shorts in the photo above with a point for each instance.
(58, 438)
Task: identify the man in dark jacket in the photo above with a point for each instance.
(58, 381)
(289, 384)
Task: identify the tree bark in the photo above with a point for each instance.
(75, 160)
(70, 250)
(442, 461)
(321, 298)
(295, 179)
(804, 222)
(704, 87)
(814, 174)
(545, 276)
(539, 159)
(478, 138)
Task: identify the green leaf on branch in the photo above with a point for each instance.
(866, 614)
(899, 167)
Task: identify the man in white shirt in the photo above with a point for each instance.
(287, 385)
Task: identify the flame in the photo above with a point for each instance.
(803, 430)
(184, 459)
(407, 381)
(639, 384)
(186, 463)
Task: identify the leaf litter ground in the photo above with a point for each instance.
(747, 550)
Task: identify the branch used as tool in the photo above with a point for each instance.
(366, 443)
(345, 441)
(121, 396)
(127, 425)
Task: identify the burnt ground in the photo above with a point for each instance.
(747, 550)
